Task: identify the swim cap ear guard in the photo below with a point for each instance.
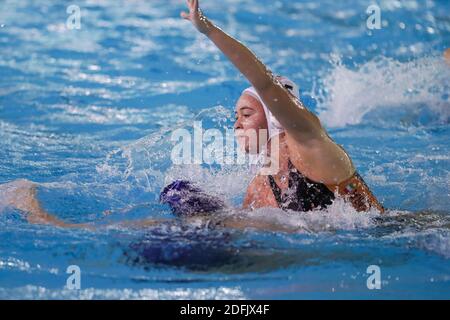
(274, 127)
(186, 199)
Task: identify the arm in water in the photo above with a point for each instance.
(310, 147)
(447, 56)
(21, 195)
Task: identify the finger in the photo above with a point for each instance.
(184, 15)
(195, 2)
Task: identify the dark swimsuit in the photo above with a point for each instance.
(302, 194)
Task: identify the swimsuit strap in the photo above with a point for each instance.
(290, 165)
(294, 178)
(294, 175)
(275, 189)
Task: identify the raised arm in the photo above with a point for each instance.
(309, 145)
(294, 117)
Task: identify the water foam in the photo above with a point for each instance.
(38, 292)
(340, 215)
(347, 94)
(146, 163)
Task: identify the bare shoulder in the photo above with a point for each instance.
(257, 182)
(259, 194)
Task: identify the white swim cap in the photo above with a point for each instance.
(274, 127)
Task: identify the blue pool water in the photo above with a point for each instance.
(88, 114)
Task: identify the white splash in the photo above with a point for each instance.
(37, 292)
(348, 94)
(340, 215)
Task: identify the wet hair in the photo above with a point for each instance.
(186, 199)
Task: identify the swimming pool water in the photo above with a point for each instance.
(88, 115)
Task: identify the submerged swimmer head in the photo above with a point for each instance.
(252, 115)
(186, 199)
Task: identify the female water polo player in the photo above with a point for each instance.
(313, 169)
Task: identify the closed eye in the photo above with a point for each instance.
(243, 115)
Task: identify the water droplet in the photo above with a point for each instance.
(94, 67)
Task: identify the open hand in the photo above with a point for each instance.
(196, 16)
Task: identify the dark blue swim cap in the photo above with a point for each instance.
(184, 198)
